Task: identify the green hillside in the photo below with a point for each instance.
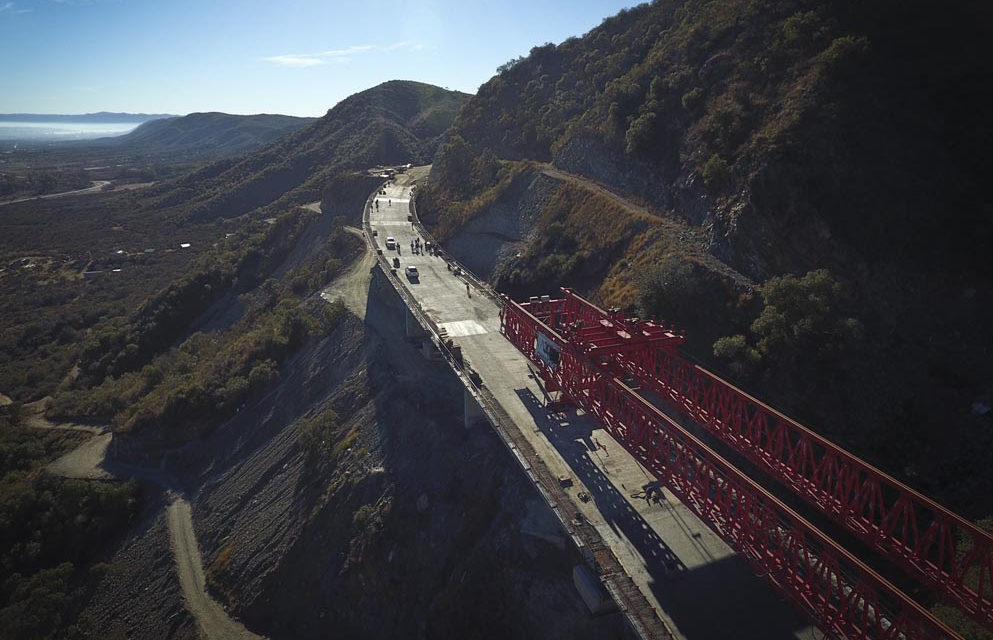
(830, 155)
(393, 123)
(208, 134)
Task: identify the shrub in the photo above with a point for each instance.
(640, 136)
(716, 173)
(692, 99)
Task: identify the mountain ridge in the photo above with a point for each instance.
(396, 122)
(213, 133)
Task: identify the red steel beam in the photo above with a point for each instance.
(907, 527)
(844, 596)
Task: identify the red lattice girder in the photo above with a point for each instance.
(845, 597)
(903, 525)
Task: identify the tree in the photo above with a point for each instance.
(641, 134)
(671, 291)
(803, 325)
(455, 164)
(716, 173)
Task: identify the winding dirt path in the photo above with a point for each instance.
(88, 461)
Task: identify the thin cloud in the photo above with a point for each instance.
(10, 9)
(341, 56)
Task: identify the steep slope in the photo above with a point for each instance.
(393, 123)
(799, 133)
(207, 134)
(780, 137)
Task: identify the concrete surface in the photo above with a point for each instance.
(697, 583)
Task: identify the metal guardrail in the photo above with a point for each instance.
(639, 614)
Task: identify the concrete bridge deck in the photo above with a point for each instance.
(639, 534)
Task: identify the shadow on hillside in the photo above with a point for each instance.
(720, 599)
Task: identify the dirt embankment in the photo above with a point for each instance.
(140, 595)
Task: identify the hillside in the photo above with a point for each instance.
(841, 140)
(394, 123)
(206, 134)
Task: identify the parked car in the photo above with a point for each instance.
(391, 242)
(411, 272)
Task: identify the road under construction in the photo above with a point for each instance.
(703, 512)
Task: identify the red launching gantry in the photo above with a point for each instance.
(595, 357)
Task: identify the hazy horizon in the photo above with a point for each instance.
(301, 58)
(58, 131)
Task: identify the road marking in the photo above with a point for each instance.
(463, 328)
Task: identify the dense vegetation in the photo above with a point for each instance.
(39, 182)
(45, 249)
(51, 531)
(792, 126)
(133, 375)
(830, 153)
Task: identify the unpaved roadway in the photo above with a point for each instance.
(352, 288)
(88, 461)
(98, 186)
(213, 621)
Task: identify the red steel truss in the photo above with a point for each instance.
(581, 350)
(905, 526)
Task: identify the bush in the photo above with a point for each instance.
(716, 173)
(671, 291)
(742, 357)
(318, 433)
(640, 136)
(692, 99)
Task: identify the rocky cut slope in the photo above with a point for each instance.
(394, 123)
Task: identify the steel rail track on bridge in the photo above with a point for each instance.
(582, 350)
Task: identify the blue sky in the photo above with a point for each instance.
(261, 56)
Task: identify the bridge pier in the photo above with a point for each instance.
(472, 412)
(411, 327)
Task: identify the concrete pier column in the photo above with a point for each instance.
(412, 328)
(473, 413)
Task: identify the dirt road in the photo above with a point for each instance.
(87, 461)
(214, 622)
(352, 288)
(98, 186)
